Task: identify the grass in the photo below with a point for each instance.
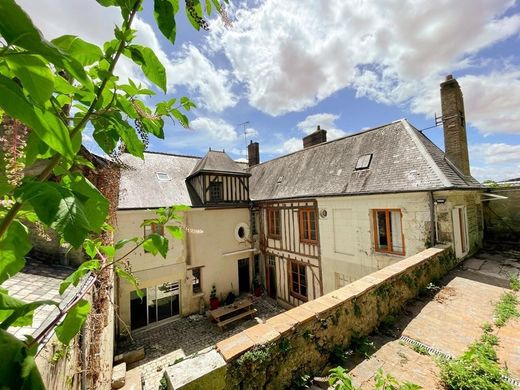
(506, 308)
(420, 349)
(477, 368)
(514, 282)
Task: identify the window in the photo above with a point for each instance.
(159, 303)
(308, 225)
(153, 228)
(388, 234)
(253, 223)
(215, 191)
(161, 176)
(363, 162)
(197, 287)
(298, 280)
(273, 223)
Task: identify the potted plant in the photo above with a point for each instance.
(214, 303)
(257, 287)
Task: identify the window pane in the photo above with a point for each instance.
(397, 237)
(381, 230)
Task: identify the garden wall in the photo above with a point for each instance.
(502, 216)
(302, 340)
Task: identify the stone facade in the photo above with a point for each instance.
(301, 340)
(502, 216)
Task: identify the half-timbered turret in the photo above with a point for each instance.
(217, 180)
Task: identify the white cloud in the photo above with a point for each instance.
(325, 121)
(491, 101)
(495, 161)
(207, 132)
(290, 145)
(293, 54)
(212, 86)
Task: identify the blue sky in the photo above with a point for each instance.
(286, 67)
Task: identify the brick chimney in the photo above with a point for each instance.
(454, 122)
(318, 137)
(253, 153)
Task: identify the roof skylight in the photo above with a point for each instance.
(161, 176)
(363, 162)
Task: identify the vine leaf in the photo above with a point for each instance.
(73, 322)
(15, 312)
(77, 275)
(84, 52)
(17, 29)
(14, 245)
(176, 232)
(155, 243)
(164, 13)
(35, 75)
(130, 279)
(13, 101)
(152, 68)
(18, 369)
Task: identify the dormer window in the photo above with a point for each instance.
(215, 191)
(162, 176)
(363, 162)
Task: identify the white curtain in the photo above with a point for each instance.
(397, 236)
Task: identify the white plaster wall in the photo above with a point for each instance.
(348, 247)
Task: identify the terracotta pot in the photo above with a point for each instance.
(258, 291)
(214, 303)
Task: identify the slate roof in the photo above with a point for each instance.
(403, 160)
(140, 187)
(218, 162)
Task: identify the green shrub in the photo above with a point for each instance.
(506, 308)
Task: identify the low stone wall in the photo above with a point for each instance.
(502, 216)
(303, 339)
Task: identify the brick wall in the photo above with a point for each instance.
(301, 340)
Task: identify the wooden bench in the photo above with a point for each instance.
(236, 317)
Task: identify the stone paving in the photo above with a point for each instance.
(449, 321)
(170, 342)
(37, 281)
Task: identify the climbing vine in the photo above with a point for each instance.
(50, 91)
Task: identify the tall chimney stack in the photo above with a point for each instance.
(318, 137)
(454, 123)
(253, 153)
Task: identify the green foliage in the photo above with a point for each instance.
(420, 349)
(514, 282)
(477, 368)
(40, 81)
(506, 308)
(340, 380)
(362, 345)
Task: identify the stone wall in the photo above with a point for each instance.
(302, 340)
(502, 216)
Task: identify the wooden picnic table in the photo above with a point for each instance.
(226, 315)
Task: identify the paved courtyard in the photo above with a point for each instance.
(167, 343)
(446, 322)
(37, 281)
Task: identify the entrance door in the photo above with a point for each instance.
(271, 276)
(460, 231)
(244, 284)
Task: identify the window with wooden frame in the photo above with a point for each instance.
(298, 280)
(388, 231)
(308, 225)
(215, 191)
(153, 228)
(273, 223)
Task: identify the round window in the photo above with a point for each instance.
(241, 232)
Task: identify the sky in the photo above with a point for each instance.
(278, 69)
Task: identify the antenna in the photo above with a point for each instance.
(244, 131)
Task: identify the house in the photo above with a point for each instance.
(304, 223)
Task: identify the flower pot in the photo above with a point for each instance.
(214, 303)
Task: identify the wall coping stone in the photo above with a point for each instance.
(189, 369)
(235, 346)
(300, 314)
(262, 334)
(282, 323)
